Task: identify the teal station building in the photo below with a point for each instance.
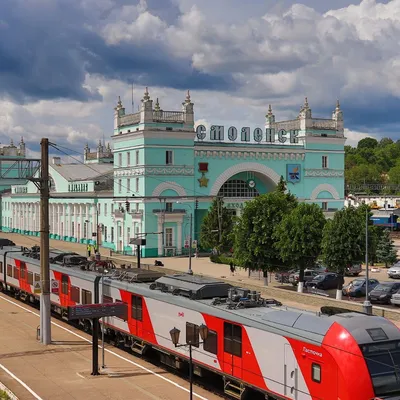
(163, 170)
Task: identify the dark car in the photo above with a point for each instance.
(6, 242)
(309, 274)
(383, 292)
(325, 281)
(283, 276)
(57, 256)
(357, 287)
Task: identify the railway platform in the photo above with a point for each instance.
(62, 370)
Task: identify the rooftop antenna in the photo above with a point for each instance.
(132, 100)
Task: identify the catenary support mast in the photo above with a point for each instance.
(45, 307)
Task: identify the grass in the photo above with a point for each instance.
(4, 395)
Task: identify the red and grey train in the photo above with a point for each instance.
(253, 344)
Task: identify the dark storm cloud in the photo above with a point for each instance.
(46, 48)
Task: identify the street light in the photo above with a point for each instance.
(367, 306)
(190, 271)
(104, 271)
(174, 333)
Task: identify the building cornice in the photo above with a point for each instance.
(323, 173)
(147, 170)
(278, 154)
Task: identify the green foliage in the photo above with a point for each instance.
(299, 235)
(386, 252)
(217, 224)
(254, 233)
(223, 259)
(281, 186)
(373, 162)
(4, 395)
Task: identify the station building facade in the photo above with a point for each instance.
(169, 170)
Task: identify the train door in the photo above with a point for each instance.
(137, 315)
(232, 349)
(64, 293)
(290, 373)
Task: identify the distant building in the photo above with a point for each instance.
(160, 158)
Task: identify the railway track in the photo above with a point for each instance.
(211, 382)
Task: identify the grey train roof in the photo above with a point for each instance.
(199, 293)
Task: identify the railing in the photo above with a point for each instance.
(174, 211)
(130, 119)
(323, 124)
(287, 125)
(168, 116)
(118, 214)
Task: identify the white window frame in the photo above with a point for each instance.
(137, 185)
(169, 233)
(120, 160)
(168, 207)
(128, 185)
(119, 185)
(137, 157)
(324, 206)
(128, 158)
(325, 164)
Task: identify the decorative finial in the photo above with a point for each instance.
(119, 102)
(108, 146)
(306, 103)
(269, 110)
(22, 140)
(188, 96)
(12, 142)
(87, 145)
(146, 94)
(157, 106)
(337, 104)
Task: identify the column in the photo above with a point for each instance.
(179, 237)
(160, 237)
(65, 220)
(82, 211)
(59, 217)
(94, 221)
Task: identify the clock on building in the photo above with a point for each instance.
(251, 183)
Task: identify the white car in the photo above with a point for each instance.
(395, 300)
(394, 271)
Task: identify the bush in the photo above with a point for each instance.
(4, 395)
(222, 259)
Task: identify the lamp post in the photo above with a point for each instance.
(367, 306)
(105, 271)
(190, 271)
(174, 333)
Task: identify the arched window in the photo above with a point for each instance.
(237, 188)
(52, 184)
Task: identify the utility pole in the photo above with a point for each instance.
(367, 304)
(190, 272)
(45, 307)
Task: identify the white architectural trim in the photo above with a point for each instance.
(169, 185)
(325, 187)
(244, 167)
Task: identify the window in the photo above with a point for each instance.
(233, 339)
(107, 299)
(316, 372)
(1, 267)
(137, 184)
(64, 284)
(30, 278)
(16, 273)
(112, 234)
(168, 157)
(23, 272)
(128, 160)
(72, 228)
(137, 207)
(128, 185)
(120, 160)
(324, 162)
(86, 296)
(324, 205)
(119, 185)
(192, 334)
(9, 270)
(105, 234)
(137, 157)
(211, 343)
(168, 237)
(237, 188)
(137, 312)
(75, 294)
(168, 207)
(105, 209)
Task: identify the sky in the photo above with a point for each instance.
(63, 63)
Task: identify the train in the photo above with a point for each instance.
(253, 344)
(386, 218)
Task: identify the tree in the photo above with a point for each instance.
(217, 227)
(394, 175)
(343, 241)
(281, 186)
(254, 233)
(386, 252)
(299, 236)
(367, 143)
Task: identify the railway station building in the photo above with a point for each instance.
(168, 170)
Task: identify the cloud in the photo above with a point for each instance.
(61, 79)
(353, 137)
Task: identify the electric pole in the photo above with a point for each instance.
(45, 307)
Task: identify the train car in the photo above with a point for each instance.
(253, 344)
(386, 219)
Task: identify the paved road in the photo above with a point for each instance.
(61, 371)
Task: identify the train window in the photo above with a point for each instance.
(316, 372)
(75, 294)
(86, 296)
(9, 270)
(107, 299)
(23, 272)
(233, 339)
(37, 277)
(211, 343)
(377, 334)
(137, 311)
(64, 284)
(16, 273)
(1, 267)
(30, 278)
(192, 334)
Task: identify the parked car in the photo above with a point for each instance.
(357, 287)
(309, 274)
(283, 276)
(395, 300)
(394, 271)
(325, 281)
(353, 270)
(383, 292)
(6, 242)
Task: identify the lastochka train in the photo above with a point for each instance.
(253, 344)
